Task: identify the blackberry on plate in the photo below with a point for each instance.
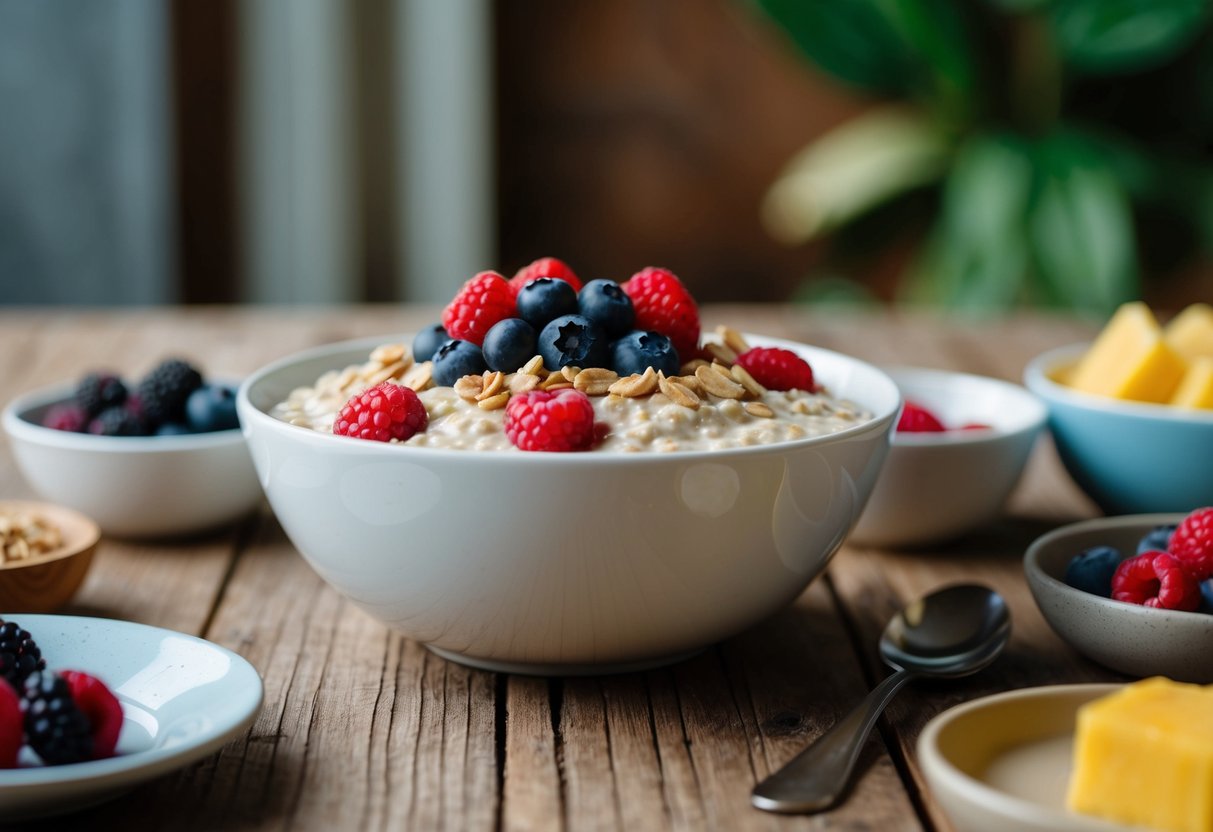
(19, 654)
(427, 341)
(117, 421)
(545, 299)
(1092, 570)
(210, 408)
(637, 351)
(572, 341)
(605, 303)
(509, 344)
(99, 391)
(164, 391)
(55, 728)
(456, 359)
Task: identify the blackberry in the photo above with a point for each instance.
(55, 728)
(164, 391)
(98, 391)
(117, 421)
(19, 655)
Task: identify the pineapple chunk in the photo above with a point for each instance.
(1190, 334)
(1196, 389)
(1143, 756)
(1129, 359)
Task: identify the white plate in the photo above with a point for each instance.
(1002, 763)
(182, 698)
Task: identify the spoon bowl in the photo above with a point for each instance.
(953, 632)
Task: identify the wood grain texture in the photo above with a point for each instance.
(362, 729)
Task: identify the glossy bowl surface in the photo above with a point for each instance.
(937, 486)
(1135, 640)
(565, 563)
(1129, 457)
(133, 486)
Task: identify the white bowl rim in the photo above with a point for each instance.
(1038, 381)
(879, 421)
(1035, 412)
(1032, 568)
(990, 798)
(17, 424)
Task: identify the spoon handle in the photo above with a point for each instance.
(815, 778)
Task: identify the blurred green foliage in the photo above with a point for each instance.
(1062, 148)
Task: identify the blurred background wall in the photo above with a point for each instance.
(204, 151)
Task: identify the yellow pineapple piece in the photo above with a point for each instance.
(1190, 334)
(1129, 359)
(1143, 756)
(1196, 388)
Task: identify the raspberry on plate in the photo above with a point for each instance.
(664, 305)
(1156, 579)
(387, 411)
(544, 267)
(550, 421)
(778, 369)
(100, 707)
(481, 302)
(11, 729)
(917, 419)
(1192, 543)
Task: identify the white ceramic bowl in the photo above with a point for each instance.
(1129, 457)
(565, 563)
(937, 486)
(133, 486)
(1133, 639)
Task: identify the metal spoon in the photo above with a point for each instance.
(952, 632)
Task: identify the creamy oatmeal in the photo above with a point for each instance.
(710, 406)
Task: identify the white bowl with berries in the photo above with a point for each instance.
(961, 445)
(161, 456)
(608, 494)
(1133, 593)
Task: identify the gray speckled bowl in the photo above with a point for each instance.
(1136, 640)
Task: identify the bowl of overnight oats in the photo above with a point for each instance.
(568, 478)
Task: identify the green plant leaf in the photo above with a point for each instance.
(976, 258)
(1081, 231)
(935, 32)
(1115, 36)
(850, 39)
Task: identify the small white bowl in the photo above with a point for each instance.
(133, 486)
(938, 486)
(1140, 641)
(1002, 763)
(566, 563)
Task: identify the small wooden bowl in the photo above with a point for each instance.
(45, 582)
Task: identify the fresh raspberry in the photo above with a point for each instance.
(550, 421)
(67, 417)
(917, 419)
(481, 302)
(387, 411)
(664, 305)
(777, 369)
(1156, 579)
(544, 267)
(100, 707)
(1192, 543)
(11, 728)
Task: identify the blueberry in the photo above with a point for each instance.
(456, 359)
(427, 341)
(572, 340)
(172, 429)
(1091, 571)
(637, 351)
(1156, 540)
(211, 407)
(509, 344)
(1206, 596)
(544, 299)
(605, 303)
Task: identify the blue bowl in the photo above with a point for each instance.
(1129, 457)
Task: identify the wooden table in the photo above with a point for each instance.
(363, 729)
